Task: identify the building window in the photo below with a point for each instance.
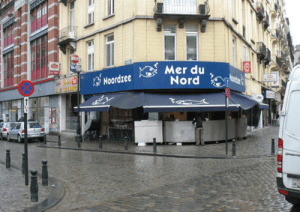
(181, 7)
(8, 36)
(39, 58)
(170, 42)
(244, 53)
(110, 7)
(191, 43)
(90, 18)
(90, 55)
(109, 50)
(234, 50)
(71, 30)
(9, 69)
(233, 8)
(39, 16)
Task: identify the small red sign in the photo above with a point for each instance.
(26, 88)
(74, 81)
(75, 58)
(227, 92)
(247, 66)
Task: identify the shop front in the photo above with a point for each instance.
(43, 105)
(166, 100)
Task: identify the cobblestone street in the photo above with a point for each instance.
(101, 181)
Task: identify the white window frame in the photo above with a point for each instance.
(244, 52)
(233, 8)
(173, 35)
(234, 50)
(192, 34)
(110, 10)
(90, 12)
(90, 56)
(110, 44)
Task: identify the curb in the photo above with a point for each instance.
(57, 193)
(161, 154)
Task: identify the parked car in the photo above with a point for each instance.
(288, 157)
(34, 131)
(5, 128)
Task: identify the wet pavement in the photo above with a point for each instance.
(105, 181)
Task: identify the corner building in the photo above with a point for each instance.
(29, 51)
(143, 62)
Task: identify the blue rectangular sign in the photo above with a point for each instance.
(163, 75)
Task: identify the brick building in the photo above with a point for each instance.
(28, 45)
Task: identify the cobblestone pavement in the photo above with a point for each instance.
(101, 181)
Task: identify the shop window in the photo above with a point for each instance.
(90, 18)
(90, 56)
(39, 58)
(9, 69)
(170, 42)
(191, 43)
(110, 7)
(109, 50)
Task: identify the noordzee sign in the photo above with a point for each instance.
(163, 75)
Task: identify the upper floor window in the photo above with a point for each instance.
(180, 6)
(90, 55)
(170, 42)
(39, 58)
(8, 36)
(110, 7)
(244, 53)
(90, 18)
(9, 69)
(39, 16)
(234, 50)
(110, 50)
(191, 43)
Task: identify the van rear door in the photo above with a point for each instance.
(291, 139)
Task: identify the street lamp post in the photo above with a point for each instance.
(78, 136)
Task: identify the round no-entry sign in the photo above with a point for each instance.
(75, 58)
(227, 92)
(26, 88)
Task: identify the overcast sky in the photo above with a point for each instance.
(292, 8)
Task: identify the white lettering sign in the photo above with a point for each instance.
(116, 80)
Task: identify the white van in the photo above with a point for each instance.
(288, 158)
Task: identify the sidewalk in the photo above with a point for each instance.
(257, 143)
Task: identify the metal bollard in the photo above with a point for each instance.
(44, 173)
(23, 163)
(34, 186)
(59, 141)
(45, 139)
(154, 145)
(233, 148)
(7, 158)
(126, 142)
(273, 146)
(100, 142)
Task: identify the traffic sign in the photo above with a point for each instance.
(26, 88)
(75, 58)
(73, 67)
(26, 104)
(227, 92)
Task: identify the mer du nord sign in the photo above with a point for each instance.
(163, 75)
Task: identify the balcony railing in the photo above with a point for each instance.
(182, 7)
(261, 50)
(260, 11)
(68, 33)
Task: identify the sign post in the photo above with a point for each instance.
(26, 88)
(227, 95)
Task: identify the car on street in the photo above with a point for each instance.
(288, 157)
(5, 128)
(34, 131)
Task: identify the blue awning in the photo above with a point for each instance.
(244, 101)
(120, 100)
(167, 102)
(187, 102)
(263, 106)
